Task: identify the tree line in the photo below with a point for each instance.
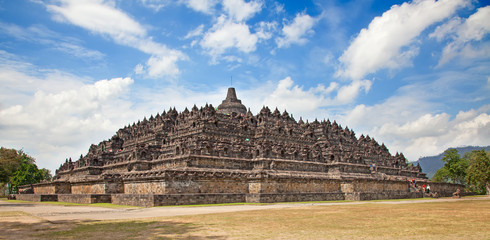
(471, 170)
(18, 168)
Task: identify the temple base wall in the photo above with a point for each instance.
(151, 200)
(363, 196)
(85, 198)
(196, 187)
(37, 197)
(293, 197)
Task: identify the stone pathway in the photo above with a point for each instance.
(54, 212)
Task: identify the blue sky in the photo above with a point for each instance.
(414, 75)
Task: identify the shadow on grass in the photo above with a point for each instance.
(40, 229)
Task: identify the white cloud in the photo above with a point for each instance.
(204, 6)
(156, 5)
(105, 19)
(419, 119)
(240, 10)
(19, 80)
(446, 29)
(98, 16)
(196, 32)
(39, 34)
(347, 94)
(265, 30)
(465, 33)
(293, 98)
(404, 127)
(476, 26)
(388, 42)
(78, 51)
(432, 134)
(295, 32)
(48, 124)
(159, 64)
(308, 102)
(226, 34)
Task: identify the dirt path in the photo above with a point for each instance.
(54, 212)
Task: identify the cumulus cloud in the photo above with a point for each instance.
(226, 34)
(404, 127)
(231, 32)
(104, 18)
(293, 97)
(240, 10)
(419, 120)
(53, 123)
(389, 40)
(295, 32)
(433, 133)
(464, 34)
(309, 102)
(204, 6)
(347, 94)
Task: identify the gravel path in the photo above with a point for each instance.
(54, 212)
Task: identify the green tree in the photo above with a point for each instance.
(478, 173)
(454, 169)
(46, 174)
(18, 168)
(27, 174)
(10, 161)
(442, 175)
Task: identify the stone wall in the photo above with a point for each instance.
(294, 197)
(37, 197)
(114, 186)
(141, 200)
(85, 198)
(52, 188)
(203, 186)
(362, 196)
(379, 186)
(443, 189)
(358, 190)
(206, 185)
(45, 189)
(145, 187)
(295, 185)
(151, 200)
(88, 188)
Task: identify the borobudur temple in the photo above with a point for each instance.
(227, 154)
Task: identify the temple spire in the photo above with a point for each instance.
(231, 95)
(232, 104)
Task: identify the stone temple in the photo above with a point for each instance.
(227, 154)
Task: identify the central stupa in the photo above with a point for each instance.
(232, 104)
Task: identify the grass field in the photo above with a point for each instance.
(433, 220)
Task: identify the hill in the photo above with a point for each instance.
(431, 164)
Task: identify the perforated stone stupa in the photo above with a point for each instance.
(208, 155)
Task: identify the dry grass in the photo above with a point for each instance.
(448, 220)
(466, 219)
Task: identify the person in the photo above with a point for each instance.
(428, 188)
(423, 187)
(457, 193)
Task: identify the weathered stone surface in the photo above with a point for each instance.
(37, 197)
(85, 198)
(208, 155)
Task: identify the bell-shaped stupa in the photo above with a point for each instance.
(232, 104)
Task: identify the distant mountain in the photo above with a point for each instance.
(431, 164)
